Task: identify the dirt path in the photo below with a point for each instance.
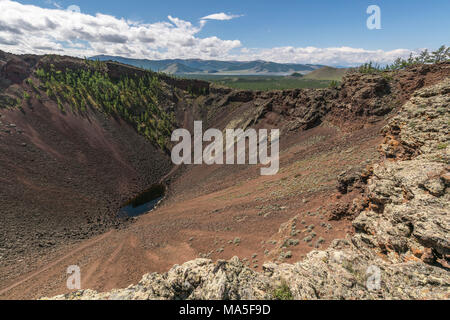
(54, 263)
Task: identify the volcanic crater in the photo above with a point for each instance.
(66, 174)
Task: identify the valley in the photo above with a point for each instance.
(261, 82)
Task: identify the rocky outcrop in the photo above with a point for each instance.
(412, 193)
(15, 69)
(400, 249)
(359, 100)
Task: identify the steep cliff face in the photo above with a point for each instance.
(67, 167)
(360, 99)
(401, 245)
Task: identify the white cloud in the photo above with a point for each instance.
(32, 29)
(220, 16)
(54, 3)
(346, 56)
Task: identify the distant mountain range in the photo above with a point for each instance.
(197, 66)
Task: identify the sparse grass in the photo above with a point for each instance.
(7, 101)
(290, 242)
(333, 84)
(26, 97)
(283, 292)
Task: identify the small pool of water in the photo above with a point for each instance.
(142, 203)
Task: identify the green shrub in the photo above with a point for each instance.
(333, 84)
(283, 292)
(369, 68)
(26, 97)
(424, 57)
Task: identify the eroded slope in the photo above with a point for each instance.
(403, 231)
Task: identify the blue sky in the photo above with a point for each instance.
(270, 30)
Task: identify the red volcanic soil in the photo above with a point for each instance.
(208, 207)
(64, 177)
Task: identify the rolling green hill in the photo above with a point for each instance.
(326, 73)
(261, 82)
